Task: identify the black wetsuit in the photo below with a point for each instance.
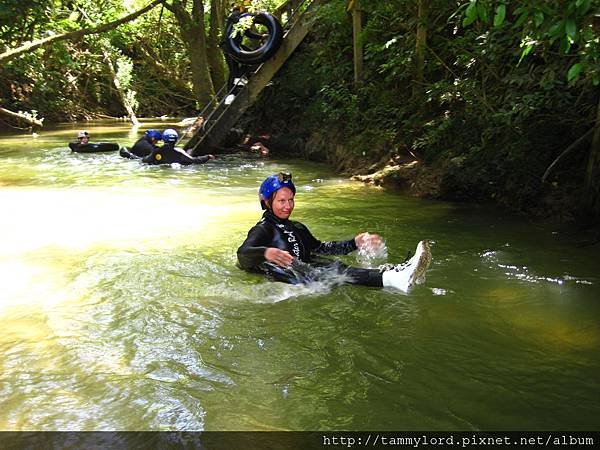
(296, 239)
(143, 147)
(168, 154)
(236, 69)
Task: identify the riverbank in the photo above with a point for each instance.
(432, 147)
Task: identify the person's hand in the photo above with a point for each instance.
(278, 257)
(368, 240)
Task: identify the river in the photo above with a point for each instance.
(121, 307)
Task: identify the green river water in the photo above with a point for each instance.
(121, 307)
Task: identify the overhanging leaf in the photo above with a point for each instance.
(538, 18)
(482, 12)
(571, 29)
(574, 71)
(500, 15)
(470, 14)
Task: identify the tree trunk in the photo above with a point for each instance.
(120, 91)
(591, 194)
(420, 46)
(191, 28)
(22, 117)
(215, 56)
(73, 35)
(357, 23)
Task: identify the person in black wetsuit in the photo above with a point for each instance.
(168, 154)
(287, 251)
(146, 144)
(236, 69)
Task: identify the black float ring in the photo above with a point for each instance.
(265, 51)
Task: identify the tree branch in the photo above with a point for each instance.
(72, 35)
(570, 148)
(30, 120)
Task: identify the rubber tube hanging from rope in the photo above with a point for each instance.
(262, 53)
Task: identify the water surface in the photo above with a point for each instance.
(121, 307)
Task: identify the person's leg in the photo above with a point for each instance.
(354, 275)
(364, 277)
(302, 273)
(234, 71)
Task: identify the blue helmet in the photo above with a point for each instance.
(170, 135)
(154, 134)
(272, 184)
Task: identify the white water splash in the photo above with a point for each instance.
(370, 255)
(439, 291)
(274, 292)
(523, 273)
(318, 281)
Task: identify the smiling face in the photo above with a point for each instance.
(282, 203)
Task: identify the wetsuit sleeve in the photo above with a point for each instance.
(325, 248)
(149, 159)
(251, 253)
(336, 247)
(184, 158)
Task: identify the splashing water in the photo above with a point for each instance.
(370, 255)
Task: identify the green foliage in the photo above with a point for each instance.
(500, 15)
(245, 23)
(70, 80)
(501, 98)
(565, 27)
(124, 71)
(265, 5)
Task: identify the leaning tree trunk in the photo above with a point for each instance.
(420, 46)
(21, 117)
(357, 23)
(591, 195)
(215, 57)
(191, 28)
(120, 90)
(201, 81)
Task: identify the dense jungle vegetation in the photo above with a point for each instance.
(478, 100)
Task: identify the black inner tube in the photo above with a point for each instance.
(93, 147)
(263, 52)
